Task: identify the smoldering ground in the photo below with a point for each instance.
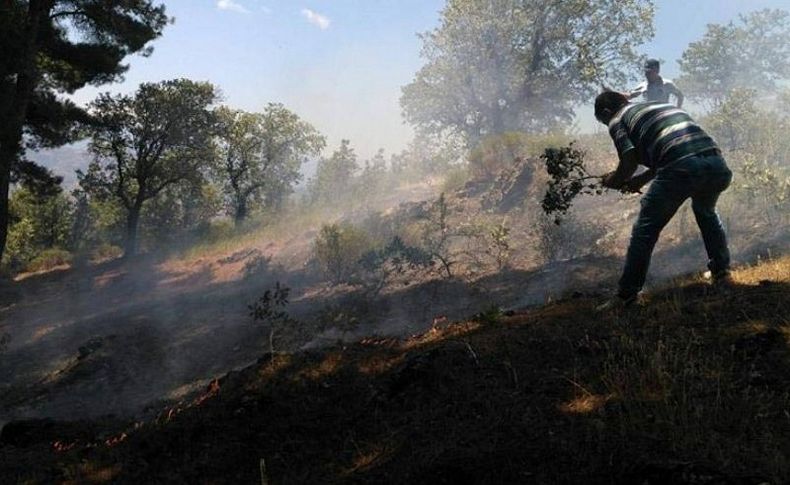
(118, 336)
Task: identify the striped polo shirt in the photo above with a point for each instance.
(661, 133)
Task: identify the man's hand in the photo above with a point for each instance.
(608, 180)
(632, 187)
(635, 184)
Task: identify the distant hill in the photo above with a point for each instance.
(64, 161)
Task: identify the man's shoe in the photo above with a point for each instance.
(721, 282)
(617, 303)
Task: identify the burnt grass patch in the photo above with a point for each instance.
(691, 388)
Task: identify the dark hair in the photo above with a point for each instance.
(608, 103)
(652, 64)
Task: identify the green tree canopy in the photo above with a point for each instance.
(494, 66)
(260, 155)
(145, 143)
(38, 221)
(50, 47)
(334, 176)
(753, 53)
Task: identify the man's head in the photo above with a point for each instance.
(607, 104)
(652, 68)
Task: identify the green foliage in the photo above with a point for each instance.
(52, 48)
(736, 120)
(334, 175)
(38, 222)
(50, 216)
(569, 178)
(756, 145)
(18, 248)
(426, 155)
(50, 258)
(372, 181)
(212, 232)
(338, 249)
(499, 244)
(766, 186)
(490, 316)
(180, 211)
(97, 222)
(145, 143)
(382, 265)
(437, 235)
(754, 53)
(105, 252)
(259, 156)
(498, 66)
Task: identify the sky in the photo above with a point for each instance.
(340, 64)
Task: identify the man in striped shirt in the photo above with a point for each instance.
(685, 163)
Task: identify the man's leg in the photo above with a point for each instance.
(658, 206)
(704, 206)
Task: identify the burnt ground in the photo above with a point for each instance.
(691, 388)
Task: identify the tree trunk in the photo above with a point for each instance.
(241, 213)
(13, 121)
(7, 156)
(132, 222)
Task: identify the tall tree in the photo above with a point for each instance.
(145, 143)
(752, 54)
(261, 154)
(51, 47)
(334, 176)
(494, 66)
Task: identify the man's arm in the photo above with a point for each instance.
(678, 95)
(629, 161)
(637, 91)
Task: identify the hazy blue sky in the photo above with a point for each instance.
(340, 63)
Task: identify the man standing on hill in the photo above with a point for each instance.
(655, 88)
(685, 162)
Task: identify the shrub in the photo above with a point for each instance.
(49, 259)
(395, 259)
(571, 239)
(455, 178)
(765, 187)
(270, 309)
(499, 244)
(496, 153)
(105, 252)
(338, 249)
(437, 235)
(18, 249)
(215, 231)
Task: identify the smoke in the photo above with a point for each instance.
(113, 337)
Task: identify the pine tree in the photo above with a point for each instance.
(54, 47)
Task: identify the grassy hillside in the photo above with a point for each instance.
(691, 388)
